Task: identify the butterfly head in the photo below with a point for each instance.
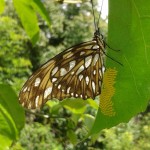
(97, 34)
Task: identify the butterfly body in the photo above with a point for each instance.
(76, 72)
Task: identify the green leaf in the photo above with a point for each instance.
(39, 7)
(4, 142)
(7, 125)
(9, 100)
(72, 136)
(2, 6)
(92, 103)
(77, 106)
(129, 32)
(54, 107)
(88, 121)
(11, 114)
(28, 18)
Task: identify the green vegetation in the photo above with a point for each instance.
(132, 136)
(31, 32)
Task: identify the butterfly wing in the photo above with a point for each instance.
(75, 72)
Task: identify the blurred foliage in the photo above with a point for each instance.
(60, 125)
(36, 136)
(126, 136)
(14, 61)
(133, 135)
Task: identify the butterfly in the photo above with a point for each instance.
(76, 72)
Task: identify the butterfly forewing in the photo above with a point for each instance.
(75, 72)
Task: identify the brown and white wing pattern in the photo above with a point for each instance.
(76, 72)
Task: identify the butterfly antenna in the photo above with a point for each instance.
(116, 50)
(112, 58)
(94, 15)
(100, 13)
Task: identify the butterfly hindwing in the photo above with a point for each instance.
(75, 72)
(32, 93)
